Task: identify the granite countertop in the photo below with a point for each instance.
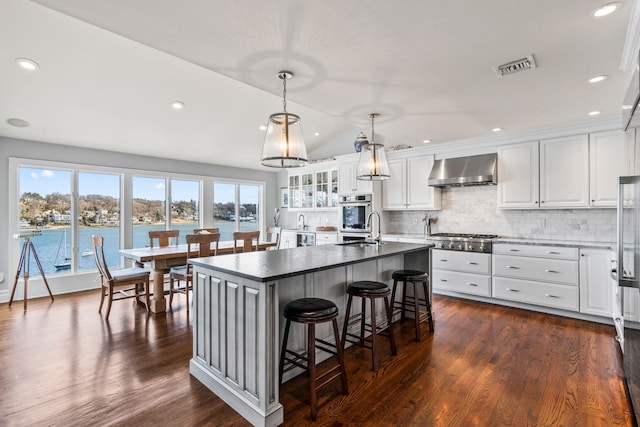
(266, 266)
(562, 243)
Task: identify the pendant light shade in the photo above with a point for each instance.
(373, 165)
(283, 143)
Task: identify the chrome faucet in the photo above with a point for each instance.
(428, 220)
(375, 236)
(303, 224)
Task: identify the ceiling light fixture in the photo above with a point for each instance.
(597, 79)
(27, 64)
(594, 113)
(317, 134)
(426, 141)
(496, 129)
(177, 105)
(283, 143)
(605, 10)
(19, 123)
(372, 165)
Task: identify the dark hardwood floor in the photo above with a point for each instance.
(63, 365)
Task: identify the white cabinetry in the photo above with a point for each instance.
(610, 156)
(347, 182)
(408, 187)
(326, 185)
(328, 238)
(518, 176)
(564, 172)
(465, 272)
(288, 239)
(314, 187)
(596, 284)
(540, 275)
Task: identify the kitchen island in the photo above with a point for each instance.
(237, 302)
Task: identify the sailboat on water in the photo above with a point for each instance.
(64, 262)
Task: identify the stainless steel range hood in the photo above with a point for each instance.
(463, 171)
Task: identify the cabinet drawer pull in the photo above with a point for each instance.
(443, 260)
(514, 250)
(472, 263)
(551, 296)
(553, 253)
(551, 271)
(512, 267)
(472, 284)
(443, 280)
(512, 290)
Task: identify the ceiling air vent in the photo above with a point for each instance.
(511, 67)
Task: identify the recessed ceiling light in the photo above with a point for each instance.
(263, 127)
(597, 79)
(177, 105)
(496, 129)
(426, 141)
(605, 10)
(594, 113)
(19, 123)
(317, 134)
(27, 64)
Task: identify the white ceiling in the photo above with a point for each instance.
(109, 71)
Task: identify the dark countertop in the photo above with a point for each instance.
(266, 266)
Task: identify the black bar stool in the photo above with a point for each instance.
(414, 277)
(371, 291)
(312, 311)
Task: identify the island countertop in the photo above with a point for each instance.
(273, 265)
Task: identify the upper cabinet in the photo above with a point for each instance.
(571, 172)
(564, 172)
(347, 182)
(408, 187)
(610, 156)
(313, 187)
(518, 176)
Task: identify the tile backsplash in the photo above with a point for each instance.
(475, 210)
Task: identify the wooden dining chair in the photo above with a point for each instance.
(163, 238)
(248, 238)
(198, 245)
(273, 236)
(206, 230)
(119, 284)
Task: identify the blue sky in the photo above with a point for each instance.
(47, 181)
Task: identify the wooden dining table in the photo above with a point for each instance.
(161, 259)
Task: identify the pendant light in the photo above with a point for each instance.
(283, 142)
(372, 165)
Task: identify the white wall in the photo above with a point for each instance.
(62, 153)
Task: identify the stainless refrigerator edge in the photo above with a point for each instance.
(627, 293)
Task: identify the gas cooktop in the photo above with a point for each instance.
(466, 242)
(463, 236)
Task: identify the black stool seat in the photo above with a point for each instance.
(366, 287)
(310, 309)
(407, 274)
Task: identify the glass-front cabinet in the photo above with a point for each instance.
(307, 190)
(294, 192)
(326, 189)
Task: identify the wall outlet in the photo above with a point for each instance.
(415, 221)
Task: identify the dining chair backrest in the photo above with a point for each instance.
(207, 245)
(248, 238)
(273, 236)
(162, 238)
(98, 256)
(206, 230)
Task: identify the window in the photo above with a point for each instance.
(45, 203)
(185, 206)
(98, 214)
(149, 208)
(236, 207)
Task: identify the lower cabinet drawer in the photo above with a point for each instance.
(546, 294)
(545, 270)
(474, 284)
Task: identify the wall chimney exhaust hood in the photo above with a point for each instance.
(464, 171)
